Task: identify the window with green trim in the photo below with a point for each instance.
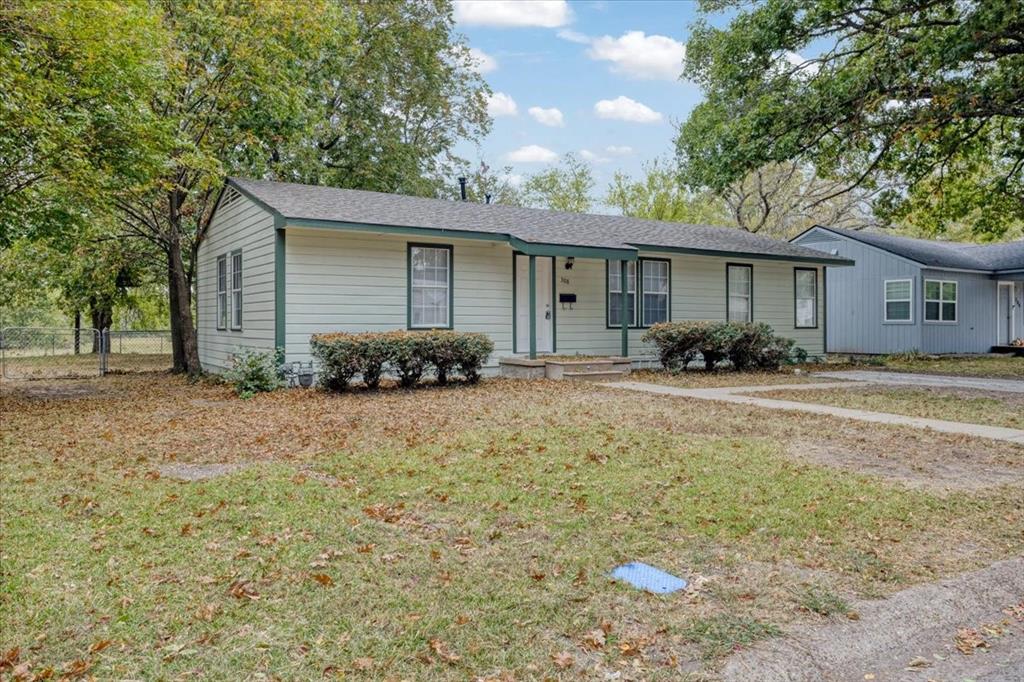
(430, 286)
(615, 293)
(236, 290)
(654, 287)
(222, 292)
(739, 286)
(805, 283)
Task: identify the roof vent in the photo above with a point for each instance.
(462, 188)
(231, 195)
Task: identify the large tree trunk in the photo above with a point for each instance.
(186, 360)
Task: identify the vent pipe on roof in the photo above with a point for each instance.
(462, 188)
(487, 198)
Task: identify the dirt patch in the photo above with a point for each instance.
(951, 468)
(971, 626)
(199, 472)
(55, 391)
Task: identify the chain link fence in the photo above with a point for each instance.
(63, 353)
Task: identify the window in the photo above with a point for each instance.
(655, 289)
(222, 292)
(236, 290)
(739, 289)
(939, 301)
(898, 298)
(430, 286)
(805, 284)
(615, 293)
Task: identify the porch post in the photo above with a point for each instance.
(533, 307)
(624, 318)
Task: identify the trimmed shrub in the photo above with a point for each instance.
(745, 345)
(339, 356)
(407, 354)
(472, 351)
(255, 371)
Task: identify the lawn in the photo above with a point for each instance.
(698, 378)
(995, 366)
(961, 405)
(448, 533)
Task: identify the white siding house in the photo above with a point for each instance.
(320, 259)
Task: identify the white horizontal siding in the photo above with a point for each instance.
(355, 282)
(244, 225)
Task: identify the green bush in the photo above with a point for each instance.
(255, 371)
(406, 354)
(745, 345)
(339, 356)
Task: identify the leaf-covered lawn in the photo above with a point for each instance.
(440, 533)
(962, 405)
(1000, 366)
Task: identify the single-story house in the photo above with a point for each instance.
(283, 261)
(908, 294)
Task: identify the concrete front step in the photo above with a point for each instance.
(609, 375)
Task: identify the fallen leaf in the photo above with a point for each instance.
(563, 660)
(243, 589)
(99, 646)
(443, 652)
(918, 662)
(594, 639)
(364, 663)
(323, 579)
(968, 639)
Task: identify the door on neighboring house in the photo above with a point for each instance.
(1005, 313)
(545, 304)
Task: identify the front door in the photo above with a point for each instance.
(545, 312)
(1004, 314)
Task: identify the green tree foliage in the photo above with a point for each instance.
(922, 100)
(565, 187)
(659, 195)
(394, 103)
(75, 80)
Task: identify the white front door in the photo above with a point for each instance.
(545, 313)
(1004, 314)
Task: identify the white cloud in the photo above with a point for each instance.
(514, 179)
(542, 13)
(625, 109)
(574, 36)
(795, 59)
(499, 104)
(617, 150)
(549, 117)
(590, 156)
(637, 55)
(485, 63)
(532, 153)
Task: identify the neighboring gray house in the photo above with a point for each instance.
(282, 261)
(914, 294)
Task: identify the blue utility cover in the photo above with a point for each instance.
(645, 577)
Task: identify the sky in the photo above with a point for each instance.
(599, 79)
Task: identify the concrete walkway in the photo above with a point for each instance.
(929, 380)
(733, 395)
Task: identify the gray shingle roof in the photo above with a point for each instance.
(957, 255)
(536, 226)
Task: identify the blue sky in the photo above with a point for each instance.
(599, 79)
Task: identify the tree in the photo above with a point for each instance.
(782, 200)
(394, 107)
(483, 185)
(660, 196)
(73, 120)
(244, 80)
(901, 92)
(565, 187)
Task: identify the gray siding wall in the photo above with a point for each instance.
(352, 281)
(243, 225)
(975, 328)
(856, 298)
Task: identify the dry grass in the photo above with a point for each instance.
(444, 533)
(994, 366)
(959, 405)
(696, 378)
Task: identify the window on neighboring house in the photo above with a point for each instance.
(222, 292)
(654, 287)
(615, 293)
(898, 300)
(740, 292)
(940, 300)
(430, 286)
(236, 290)
(805, 282)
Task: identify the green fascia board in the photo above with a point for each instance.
(841, 262)
(567, 250)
